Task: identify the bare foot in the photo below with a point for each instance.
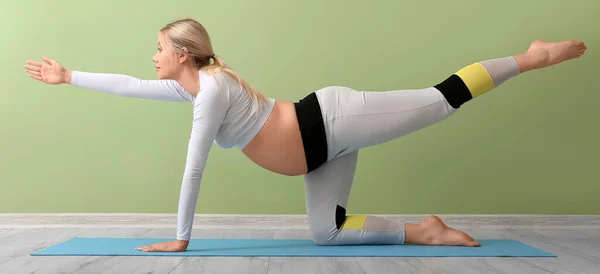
(438, 233)
(543, 54)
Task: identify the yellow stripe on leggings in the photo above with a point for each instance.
(354, 222)
(477, 79)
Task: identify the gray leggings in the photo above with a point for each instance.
(358, 119)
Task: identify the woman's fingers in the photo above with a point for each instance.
(32, 68)
(34, 72)
(34, 63)
(48, 60)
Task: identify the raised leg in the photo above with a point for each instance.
(359, 119)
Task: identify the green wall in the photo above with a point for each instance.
(529, 147)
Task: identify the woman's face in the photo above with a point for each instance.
(165, 60)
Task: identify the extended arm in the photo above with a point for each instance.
(52, 72)
(128, 86)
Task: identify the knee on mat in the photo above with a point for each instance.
(323, 232)
(322, 238)
(320, 241)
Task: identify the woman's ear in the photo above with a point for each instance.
(183, 55)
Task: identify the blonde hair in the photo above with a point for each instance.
(190, 34)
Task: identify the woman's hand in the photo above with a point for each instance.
(174, 246)
(50, 72)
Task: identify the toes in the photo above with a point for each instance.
(473, 244)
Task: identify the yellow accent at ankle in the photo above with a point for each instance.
(354, 222)
(477, 79)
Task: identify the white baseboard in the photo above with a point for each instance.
(277, 221)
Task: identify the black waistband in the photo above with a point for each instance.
(312, 129)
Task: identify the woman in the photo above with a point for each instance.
(318, 137)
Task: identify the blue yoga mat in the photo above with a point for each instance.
(282, 248)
